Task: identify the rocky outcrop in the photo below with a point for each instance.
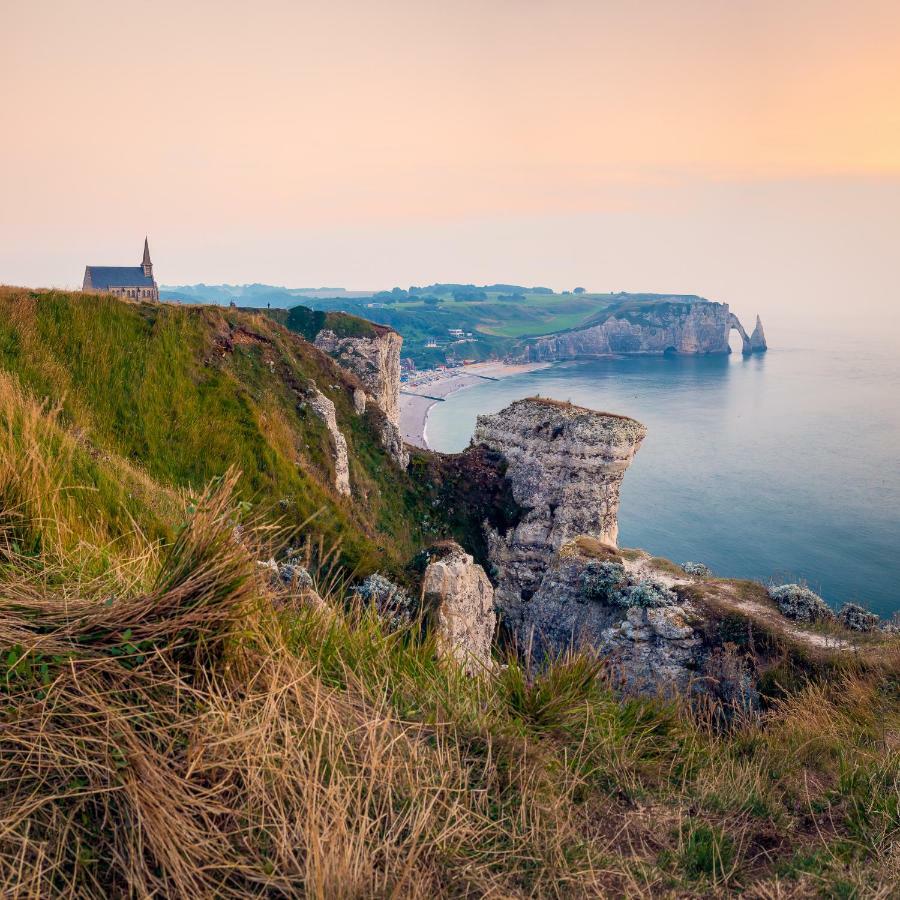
(669, 327)
(459, 597)
(651, 639)
(324, 409)
(375, 360)
(758, 338)
(735, 323)
(565, 465)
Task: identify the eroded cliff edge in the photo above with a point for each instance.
(697, 327)
(549, 493)
(375, 360)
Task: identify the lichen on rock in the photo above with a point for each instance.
(394, 605)
(291, 584)
(646, 593)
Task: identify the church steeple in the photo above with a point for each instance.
(146, 264)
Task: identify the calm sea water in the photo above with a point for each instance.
(782, 466)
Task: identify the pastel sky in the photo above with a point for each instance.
(718, 147)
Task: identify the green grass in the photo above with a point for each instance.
(185, 393)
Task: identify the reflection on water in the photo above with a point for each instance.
(779, 466)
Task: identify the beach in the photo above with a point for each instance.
(426, 389)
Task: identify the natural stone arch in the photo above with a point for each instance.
(735, 323)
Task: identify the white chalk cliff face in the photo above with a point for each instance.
(324, 409)
(376, 362)
(561, 583)
(565, 465)
(692, 328)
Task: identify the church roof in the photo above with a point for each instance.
(103, 277)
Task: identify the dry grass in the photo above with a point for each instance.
(173, 743)
(165, 733)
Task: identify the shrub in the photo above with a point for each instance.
(800, 604)
(647, 593)
(856, 618)
(600, 579)
(695, 568)
(392, 603)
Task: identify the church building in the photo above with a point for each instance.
(136, 282)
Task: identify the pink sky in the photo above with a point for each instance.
(711, 147)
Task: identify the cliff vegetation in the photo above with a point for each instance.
(172, 725)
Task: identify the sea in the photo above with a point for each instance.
(781, 467)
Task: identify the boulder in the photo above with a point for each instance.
(459, 597)
(291, 584)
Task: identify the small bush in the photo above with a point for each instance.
(856, 618)
(695, 568)
(800, 603)
(647, 594)
(601, 579)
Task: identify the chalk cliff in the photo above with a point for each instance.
(560, 580)
(664, 327)
(375, 360)
(324, 409)
(565, 465)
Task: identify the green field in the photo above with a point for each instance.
(498, 317)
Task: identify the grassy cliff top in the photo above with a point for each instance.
(183, 393)
(309, 322)
(568, 407)
(498, 319)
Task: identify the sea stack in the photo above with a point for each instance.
(565, 465)
(758, 338)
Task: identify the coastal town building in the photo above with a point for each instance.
(136, 282)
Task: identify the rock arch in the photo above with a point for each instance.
(735, 323)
